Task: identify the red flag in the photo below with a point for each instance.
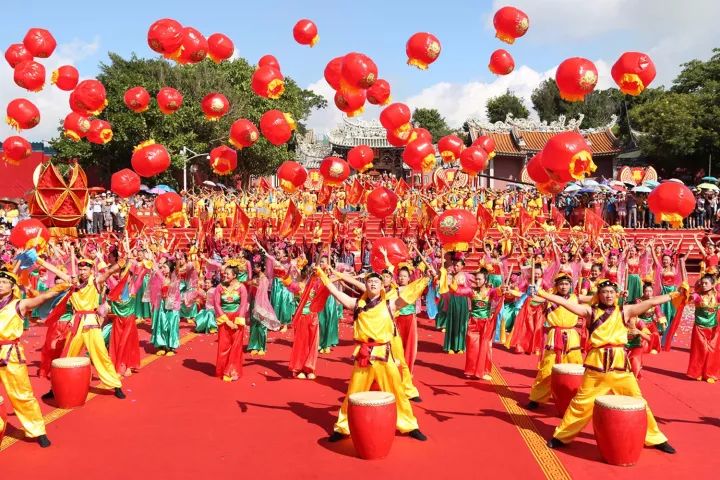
(264, 185)
(427, 216)
(401, 187)
(134, 225)
(339, 216)
(241, 224)
(593, 225)
(525, 221)
(324, 195)
(291, 222)
(485, 219)
(356, 193)
(558, 217)
(441, 184)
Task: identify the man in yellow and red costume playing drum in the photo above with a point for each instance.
(607, 368)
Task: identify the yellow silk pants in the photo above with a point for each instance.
(92, 340)
(398, 353)
(540, 392)
(16, 381)
(387, 376)
(595, 384)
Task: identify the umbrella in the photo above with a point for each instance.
(144, 188)
(209, 183)
(642, 189)
(651, 183)
(709, 179)
(156, 191)
(708, 186)
(589, 190)
(164, 188)
(619, 187)
(589, 182)
(573, 187)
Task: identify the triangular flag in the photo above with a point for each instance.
(558, 217)
(323, 197)
(593, 225)
(292, 221)
(355, 194)
(241, 224)
(525, 221)
(484, 218)
(401, 187)
(134, 225)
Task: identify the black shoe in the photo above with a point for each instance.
(532, 405)
(43, 441)
(119, 393)
(665, 447)
(336, 437)
(555, 443)
(416, 399)
(417, 435)
(48, 396)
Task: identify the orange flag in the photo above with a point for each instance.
(356, 193)
(525, 221)
(401, 187)
(134, 225)
(427, 216)
(558, 217)
(292, 221)
(241, 224)
(593, 225)
(324, 195)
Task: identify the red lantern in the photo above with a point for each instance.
(76, 126)
(16, 54)
(169, 100)
(575, 78)
(193, 48)
(456, 229)
(473, 160)
(510, 23)
(395, 249)
(243, 133)
(292, 176)
(16, 149)
(360, 158)
(269, 61)
(633, 72)
(305, 32)
(419, 155)
(29, 75)
(398, 140)
(39, 42)
(396, 120)
(268, 82)
(65, 78)
(29, 233)
(333, 72)
(450, 147)
(100, 132)
(89, 98)
(422, 49)
(169, 206)
(567, 156)
(358, 71)
(220, 47)
(277, 126)
(223, 160)
(671, 202)
(165, 36)
(334, 171)
(149, 159)
(22, 114)
(137, 99)
(352, 102)
(215, 106)
(501, 62)
(381, 202)
(487, 143)
(125, 183)
(379, 92)
(536, 171)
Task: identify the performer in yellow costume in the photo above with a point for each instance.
(373, 333)
(607, 368)
(562, 342)
(13, 364)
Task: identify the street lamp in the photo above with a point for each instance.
(184, 151)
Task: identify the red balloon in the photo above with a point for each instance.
(422, 49)
(536, 171)
(165, 36)
(223, 160)
(243, 133)
(193, 49)
(352, 102)
(16, 54)
(89, 98)
(333, 72)
(76, 126)
(215, 106)
(149, 159)
(487, 144)
(381, 202)
(137, 99)
(334, 171)
(268, 82)
(510, 23)
(39, 42)
(396, 250)
(65, 78)
(501, 62)
(169, 100)
(16, 149)
(567, 156)
(575, 78)
(360, 158)
(125, 183)
(269, 61)
(419, 155)
(22, 114)
(29, 75)
(379, 92)
(396, 119)
(398, 140)
(420, 133)
(671, 202)
(100, 132)
(169, 206)
(292, 176)
(29, 233)
(450, 147)
(633, 72)
(220, 47)
(358, 71)
(456, 229)
(305, 32)
(277, 126)
(473, 160)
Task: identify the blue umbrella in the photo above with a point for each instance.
(710, 179)
(642, 189)
(164, 188)
(651, 183)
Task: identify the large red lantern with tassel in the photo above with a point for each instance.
(333, 72)
(567, 157)
(65, 78)
(22, 114)
(396, 120)
(292, 176)
(450, 147)
(420, 133)
(473, 160)
(268, 82)
(334, 171)
(16, 149)
(16, 54)
(169, 100)
(29, 233)
(422, 49)
(277, 126)
(395, 249)
(125, 183)
(633, 72)
(30, 75)
(575, 78)
(501, 62)
(137, 99)
(360, 158)
(487, 143)
(381, 202)
(100, 132)
(305, 32)
(243, 133)
(76, 126)
(89, 98)
(536, 171)
(398, 140)
(39, 42)
(456, 229)
(215, 106)
(223, 160)
(193, 49)
(379, 93)
(419, 155)
(358, 71)
(351, 102)
(510, 24)
(269, 61)
(150, 159)
(220, 47)
(165, 36)
(671, 202)
(169, 207)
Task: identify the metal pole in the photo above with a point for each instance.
(185, 175)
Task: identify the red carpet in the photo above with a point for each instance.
(179, 422)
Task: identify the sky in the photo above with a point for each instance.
(458, 84)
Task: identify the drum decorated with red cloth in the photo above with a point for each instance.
(372, 417)
(620, 423)
(70, 379)
(565, 380)
(3, 418)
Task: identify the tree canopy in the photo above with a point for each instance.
(498, 107)
(431, 120)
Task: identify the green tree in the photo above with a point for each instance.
(431, 120)
(497, 108)
(598, 107)
(187, 127)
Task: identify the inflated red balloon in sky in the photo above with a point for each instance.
(193, 49)
(450, 147)
(305, 32)
(333, 72)
(269, 61)
(510, 24)
(422, 49)
(633, 72)
(22, 114)
(268, 82)
(223, 160)
(567, 156)
(292, 176)
(360, 158)
(575, 78)
(88, 98)
(76, 126)
(358, 71)
(501, 62)
(125, 183)
(65, 78)
(215, 106)
(137, 99)
(169, 100)
(29, 75)
(100, 132)
(351, 102)
(487, 143)
(243, 133)
(17, 53)
(150, 159)
(381, 202)
(277, 126)
(379, 93)
(165, 36)
(39, 42)
(16, 149)
(220, 47)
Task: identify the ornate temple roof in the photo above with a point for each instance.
(352, 133)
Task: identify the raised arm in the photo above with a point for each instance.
(578, 309)
(64, 276)
(636, 309)
(28, 304)
(347, 301)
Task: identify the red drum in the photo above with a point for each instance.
(620, 423)
(70, 379)
(3, 419)
(372, 417)
(565, 380)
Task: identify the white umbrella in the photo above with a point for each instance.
(573, 187)
(589, 182)
(642, 189)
